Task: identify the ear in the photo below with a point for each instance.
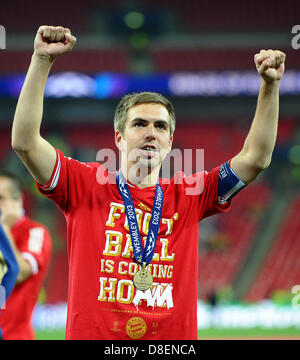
(22, 200)
(19, 199)
(171, 143)
(118, 139)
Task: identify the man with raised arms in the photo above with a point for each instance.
(146, 288)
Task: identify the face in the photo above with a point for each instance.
(7, 196)
(146, 139)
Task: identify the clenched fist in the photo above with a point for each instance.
(270, 64)
(53, 41)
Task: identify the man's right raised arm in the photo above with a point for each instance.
(35, 152)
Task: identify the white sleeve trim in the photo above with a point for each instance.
(32, 261)
(54, 181)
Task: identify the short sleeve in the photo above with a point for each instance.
(68, 183)
(210, 194)
(201, 191)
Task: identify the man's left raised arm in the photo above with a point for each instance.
(257, 151)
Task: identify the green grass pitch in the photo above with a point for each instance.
(211, 333)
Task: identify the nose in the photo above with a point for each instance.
(150, 133)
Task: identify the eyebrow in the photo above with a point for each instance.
(145, 121)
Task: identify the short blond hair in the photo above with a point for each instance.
(145, 97)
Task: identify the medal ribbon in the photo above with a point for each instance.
(142, 256)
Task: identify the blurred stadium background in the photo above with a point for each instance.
(200, 55)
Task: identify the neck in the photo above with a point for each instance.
(141, 176)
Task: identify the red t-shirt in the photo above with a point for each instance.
(34, 242)
(102, 301)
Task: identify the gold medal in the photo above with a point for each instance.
(142, 279)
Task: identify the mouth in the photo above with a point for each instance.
(149, 151)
